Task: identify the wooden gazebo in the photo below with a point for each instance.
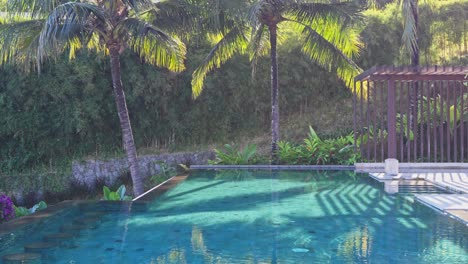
(413, 114)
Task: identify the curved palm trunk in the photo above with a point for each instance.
(127, 135)
(415, 64)
(274, 96)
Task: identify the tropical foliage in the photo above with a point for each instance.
(40, 30)
(23, 211)
(118, 195)
(9, 211)
(7, 208)
(67, 112)
(232, 156)
(313, 151)
(328, 34)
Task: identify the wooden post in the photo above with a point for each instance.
(391, 120)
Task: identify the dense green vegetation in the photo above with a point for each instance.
(312, 151)
(68, 111)
(36, 31)
(327, 32)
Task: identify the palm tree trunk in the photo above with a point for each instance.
(274, 96)
(415, 63)
(127, 135)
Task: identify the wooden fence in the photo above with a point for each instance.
(412, 114)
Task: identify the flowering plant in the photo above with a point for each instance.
(7, 209)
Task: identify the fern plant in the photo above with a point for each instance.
(231, 156)
(315, 151)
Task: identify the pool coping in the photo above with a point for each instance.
(455, 191)
(447, 212)
(274, 167)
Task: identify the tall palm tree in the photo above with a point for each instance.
(328, 38)
(50, 27)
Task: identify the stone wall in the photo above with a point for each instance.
(90, 171)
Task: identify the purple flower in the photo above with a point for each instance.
(7, 209)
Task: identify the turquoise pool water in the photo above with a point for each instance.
(258, 217)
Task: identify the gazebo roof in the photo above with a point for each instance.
(409, 73)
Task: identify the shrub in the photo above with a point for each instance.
(23, 211)
(7, 210)
(315, 151)
(231, 156)
(118, 195)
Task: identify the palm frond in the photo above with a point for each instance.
(33, 8)
(176, 16)
(258, 46)
(333, 51)
(153, 45)
(343, 13)
(67, 22)
(235, 41)
(138, 5)
(19, 41)
(409, 26)
(221, 15)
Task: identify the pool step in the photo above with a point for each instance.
(39, 247)
(89, 222)
(72, 228)
(94, 214)
(114, 206)
(62, 239)
(419, 189)
(24, 258)
(46, 249)
(57, 237)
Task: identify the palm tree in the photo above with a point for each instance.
(329, 39)
(50, 27)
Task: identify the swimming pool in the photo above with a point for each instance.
(246, 216)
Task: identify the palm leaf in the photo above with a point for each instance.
(233, 42)
(18, 42)
(67, 22)
(332, 47)
(33, 8)
(258, 46)
(138, 4)
(409, 26)
(344, 13)
(153, 45)
(175, 17)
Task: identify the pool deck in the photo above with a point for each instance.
(455, 205)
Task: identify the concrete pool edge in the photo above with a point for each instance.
(274, 167)
(452, 213)
(453, 206)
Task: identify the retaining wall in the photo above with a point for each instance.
(90, 171)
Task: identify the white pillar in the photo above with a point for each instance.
(391, 167)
